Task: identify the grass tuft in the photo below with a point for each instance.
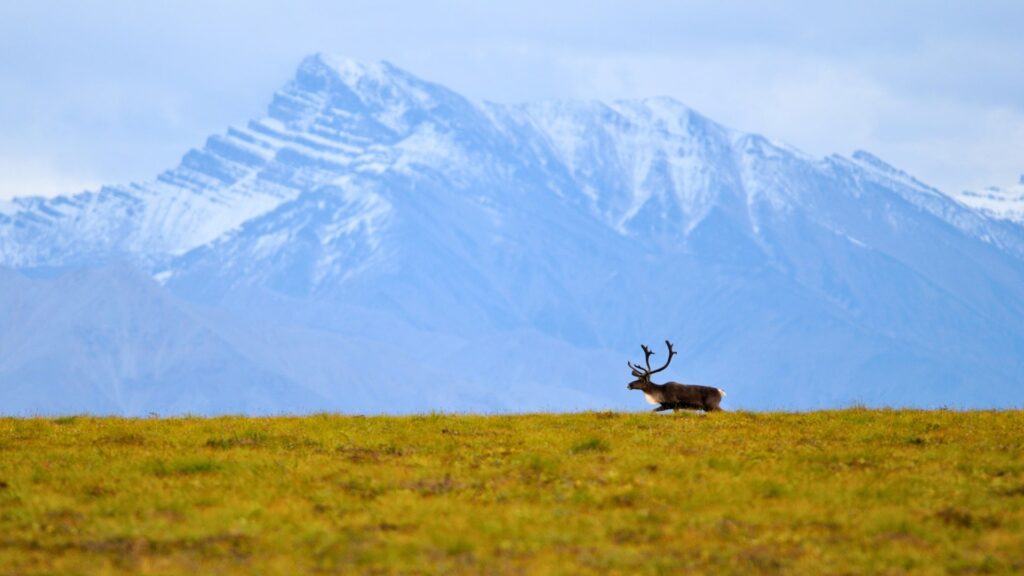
(184, 466)
(245, 440)
(590, 445)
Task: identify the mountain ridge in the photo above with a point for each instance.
(217, 174)
(369, 206)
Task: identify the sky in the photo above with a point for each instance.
(106, 92)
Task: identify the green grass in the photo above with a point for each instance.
(844, 492)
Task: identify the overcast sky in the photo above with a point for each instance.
(111, 91)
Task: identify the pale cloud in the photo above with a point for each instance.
(38, 176)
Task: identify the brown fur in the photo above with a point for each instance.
(676, 396)
(673, 395)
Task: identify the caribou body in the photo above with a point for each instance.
(672, 395)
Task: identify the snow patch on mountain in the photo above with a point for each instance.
(1006, 203)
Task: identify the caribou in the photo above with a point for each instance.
(672, 395)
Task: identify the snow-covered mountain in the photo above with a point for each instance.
(380, 243)
(1003, 203)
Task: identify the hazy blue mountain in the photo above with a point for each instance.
(109, 340)
(380, 243)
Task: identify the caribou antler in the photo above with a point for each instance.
(646, 372)
(637, 371)
(671, 353)
(647, 356)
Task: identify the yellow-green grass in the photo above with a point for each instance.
(841, 492)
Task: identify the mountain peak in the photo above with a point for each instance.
(322, 72)
(1003, 203)
(349, 70)
(391, 95)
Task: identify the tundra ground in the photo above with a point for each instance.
(841, 492)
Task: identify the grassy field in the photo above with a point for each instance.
(843, 492)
